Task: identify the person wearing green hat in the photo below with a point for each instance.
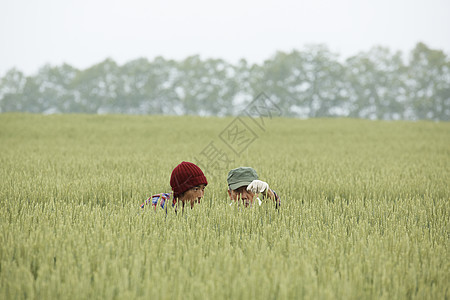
(244, 185)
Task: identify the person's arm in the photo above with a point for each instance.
(146, 202)
(155, 200)
(274, 196)
(269, 193)
(258, 186)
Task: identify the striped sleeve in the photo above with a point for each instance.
(157, 200)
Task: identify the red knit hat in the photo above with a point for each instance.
(185, 176)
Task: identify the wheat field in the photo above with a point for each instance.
(364, 214)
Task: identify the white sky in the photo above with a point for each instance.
(85, 32)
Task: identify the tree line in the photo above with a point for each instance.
(377, 84)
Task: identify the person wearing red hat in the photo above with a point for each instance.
(188, 186)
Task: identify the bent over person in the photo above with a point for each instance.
(243, 185)
(188, 186)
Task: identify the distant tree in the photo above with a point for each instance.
(280, 77)
(429, 83)
(203, 88)
(97, 87)
(164, 75)
(132, 95)
(305, 84)
(376, 84)
(55, 89)
(326, 95)
(311, 83)
(220, 85)
(244, 83)
(11, 90)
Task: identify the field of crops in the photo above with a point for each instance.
(365, 209)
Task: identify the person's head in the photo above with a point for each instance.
(188, 183)
(238, 179)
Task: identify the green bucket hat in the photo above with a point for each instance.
(241, 176)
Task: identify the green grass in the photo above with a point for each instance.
(365, 210)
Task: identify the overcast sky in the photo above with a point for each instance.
(85, 32)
